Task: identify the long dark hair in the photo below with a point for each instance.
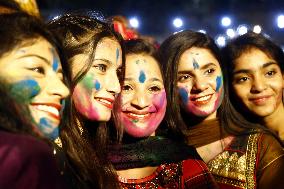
(235, 48)
(169, 53)
(81, 34)
(19, 29)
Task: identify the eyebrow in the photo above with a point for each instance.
(104, 60)
(152, 79)
(201, 68)
(37, 56)
(248, 70)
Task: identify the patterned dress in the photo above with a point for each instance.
(249, 162)
(189, 173)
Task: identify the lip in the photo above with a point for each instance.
(138, 115)
(37, 105)
(260, 100)
(197, 100)
(107, 102)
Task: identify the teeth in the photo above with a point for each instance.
(104, 101)
(203, 98)
(139, 115)
(50, 109)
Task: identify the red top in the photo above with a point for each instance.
(191, 173)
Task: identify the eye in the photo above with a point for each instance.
(154, 89)
(101, 67)
(184, 78)
(242, 79)
(39, 70)
(270, 73)
(210, 71)
(126, 88)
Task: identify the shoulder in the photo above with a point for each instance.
(22, 145)
(27, 162)
(270, 150)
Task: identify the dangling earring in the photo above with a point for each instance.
(58, 142)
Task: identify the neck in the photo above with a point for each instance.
(193, 120)
(205, 132)
(275, 121)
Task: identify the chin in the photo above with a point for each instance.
(103, 118)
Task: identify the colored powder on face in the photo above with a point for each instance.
(117, 55)
(55, 63)
(195, 64)
(219, 82)
(88, 81)
(184, 95)
(97, 85)
(135, 121)
(63, 103)
(25, 90)
(45, 126)
(142, 77)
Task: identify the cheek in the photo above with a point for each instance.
(25, 90)
(160, 101)
(124, 101)
(219, 83)
(81, 96)
(183, 94)
(241, 91)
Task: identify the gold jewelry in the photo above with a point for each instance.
(58, 142)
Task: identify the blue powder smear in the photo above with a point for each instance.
(184, 95)
(63, 104)
(25, 89)
(195, 64)
(219, 82)
(117, 54)
(142, 77)
(55, 63)
(97, 85)
(45, 125)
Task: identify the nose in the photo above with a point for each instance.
(140, 100)
(112, 84)
(199, 85)
(258, 85)
(57, 87)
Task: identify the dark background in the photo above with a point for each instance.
(156, 16)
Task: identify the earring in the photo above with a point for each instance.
(58, 142)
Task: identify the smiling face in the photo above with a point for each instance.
(94, 94)
(258, 82)
(200, 82)
(143, 97)
(34, 75)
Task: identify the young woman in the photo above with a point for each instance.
(144, 160)
(255, 67)
(238, 153)
(32, 91)
(95, 57)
